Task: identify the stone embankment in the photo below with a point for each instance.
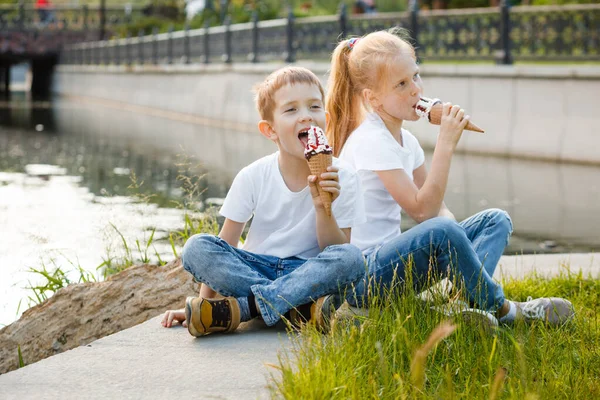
(82, 313)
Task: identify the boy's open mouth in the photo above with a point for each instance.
(303, 136)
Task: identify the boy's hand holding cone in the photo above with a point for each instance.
(319, 156)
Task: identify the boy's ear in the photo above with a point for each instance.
(267, 130)
(327, 118)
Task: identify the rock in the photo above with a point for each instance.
(81, 313)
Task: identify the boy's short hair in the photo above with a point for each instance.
(264, 92)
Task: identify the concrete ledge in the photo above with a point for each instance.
(535, 112)
(149, 361)
(450, 70)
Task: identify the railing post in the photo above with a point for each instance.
(343, 20)
(102, 18)
(206, 41)
(141, 46)
(170, 45)
(506, 57)
(21, 16)
(155, 45)
(128, 48)
(223, 11)
(414, 23)
(227, 56)
(186, 44)
(254, 55)
(117, 50)
(85, 11)
(290, 56)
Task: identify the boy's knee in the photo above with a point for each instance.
(195, 246)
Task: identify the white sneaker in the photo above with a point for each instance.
(551, 310)
(470, 316)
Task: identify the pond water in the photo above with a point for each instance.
(67, 196)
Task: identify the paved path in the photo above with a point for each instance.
(149, 361)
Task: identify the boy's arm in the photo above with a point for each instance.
(328, 231)
(231, 233)
(419, 176)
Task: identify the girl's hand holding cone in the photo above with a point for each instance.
(433, 110)
(453, 123)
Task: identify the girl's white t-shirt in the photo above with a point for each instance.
(284, 223)
(371, 147)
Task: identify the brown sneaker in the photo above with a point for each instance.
(318, 313)
(551, 310)
(204, 316)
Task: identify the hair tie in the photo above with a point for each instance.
(352, 42)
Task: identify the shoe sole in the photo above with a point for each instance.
(188, 317)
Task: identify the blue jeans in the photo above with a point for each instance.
(469, 250)
(279, 284)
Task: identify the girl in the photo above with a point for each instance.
(374, 86)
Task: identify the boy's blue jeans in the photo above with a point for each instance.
(278, 284)
(440, 247)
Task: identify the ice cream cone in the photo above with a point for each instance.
(432, 109)
(318, 164)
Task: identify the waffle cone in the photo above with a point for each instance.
(435, 117)
(318, 164)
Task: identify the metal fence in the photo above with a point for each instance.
(502, 34)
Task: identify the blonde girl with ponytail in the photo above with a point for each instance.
(374, 86)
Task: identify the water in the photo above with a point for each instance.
(86, 152)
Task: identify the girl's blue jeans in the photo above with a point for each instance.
(278, 284)
(440, 247)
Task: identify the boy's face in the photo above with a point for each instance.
(297, 107)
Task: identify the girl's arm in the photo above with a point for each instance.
(419, 177)
(231, 233)
(426, 202)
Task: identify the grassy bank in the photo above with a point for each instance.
(403, 349)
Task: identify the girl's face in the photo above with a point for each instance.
(403, 89)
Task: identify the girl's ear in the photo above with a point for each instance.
(327, 118)
(266, 130)
(370, 98)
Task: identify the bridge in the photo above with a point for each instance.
(30, 35)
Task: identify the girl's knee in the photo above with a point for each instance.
(502, 218)
(352, 261)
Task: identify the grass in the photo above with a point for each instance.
(403, 349)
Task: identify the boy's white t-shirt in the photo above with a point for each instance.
(371, 147)
(284, 223)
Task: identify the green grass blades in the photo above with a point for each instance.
(405, 350)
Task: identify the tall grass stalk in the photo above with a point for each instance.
(405, 349)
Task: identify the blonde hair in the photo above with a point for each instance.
(264, 92)
(359, 64)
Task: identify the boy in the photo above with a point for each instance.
(296, 258)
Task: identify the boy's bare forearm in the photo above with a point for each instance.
(328, 231)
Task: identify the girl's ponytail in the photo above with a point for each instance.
(343, 102)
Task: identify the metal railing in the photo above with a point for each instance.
(502, 34)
